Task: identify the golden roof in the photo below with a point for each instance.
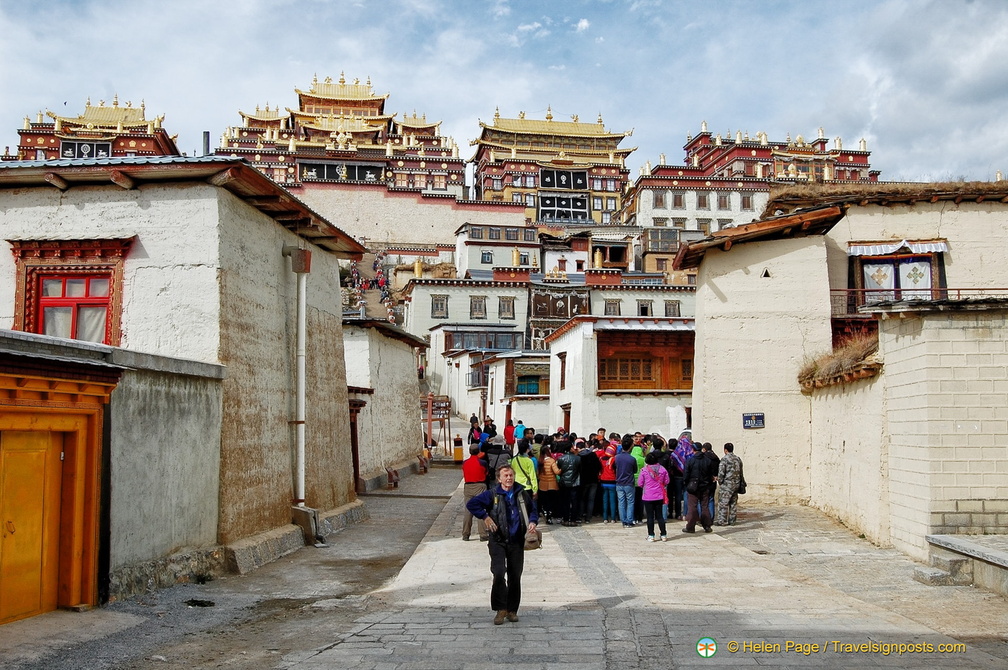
(349, 124)
(415, 121)
(341, 90)
(572, 128)
(264, 114)
(103, 115)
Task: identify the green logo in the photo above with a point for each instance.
(706, 647)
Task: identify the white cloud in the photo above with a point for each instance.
(582, 25)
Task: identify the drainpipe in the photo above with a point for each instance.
(301, 266)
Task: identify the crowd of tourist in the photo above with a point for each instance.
(632, 479)
(380, 282)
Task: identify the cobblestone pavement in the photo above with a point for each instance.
(595, 596)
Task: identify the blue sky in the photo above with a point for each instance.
(924, 82)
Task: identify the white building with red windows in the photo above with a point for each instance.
(197, 262)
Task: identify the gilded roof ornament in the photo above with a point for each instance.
(115, 99)
(574, 118)
(599, 118)
(342, 78)
(549, 112)
(521, 115)
(497, 113)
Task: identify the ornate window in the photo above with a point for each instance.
(486, 257)
(644, 308)
(659, 199)
(70, 288)
(678, 201)
(511, 234)
(612, 308)
(506, 307)
(439, 306)
(747, 202)
(672, 308)
(723, 201)
(477, 307)
(702, 201)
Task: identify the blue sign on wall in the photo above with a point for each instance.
(753, 420)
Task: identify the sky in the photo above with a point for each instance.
(925, 83)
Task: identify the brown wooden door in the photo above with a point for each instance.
(30, 482)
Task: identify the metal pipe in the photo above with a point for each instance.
(301, 265)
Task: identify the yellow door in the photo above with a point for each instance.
(30, 479)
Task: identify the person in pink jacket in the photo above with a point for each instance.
(654, 479)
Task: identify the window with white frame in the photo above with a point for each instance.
(658, 199)
(486, 257)
(672, 308)
(612, 308)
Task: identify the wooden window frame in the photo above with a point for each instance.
(35, 259)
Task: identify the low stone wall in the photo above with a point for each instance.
(970, 517)
(198, 565)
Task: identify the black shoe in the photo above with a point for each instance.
(687, 530)
(708, 529)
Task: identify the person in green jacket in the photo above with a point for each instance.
(525, 469)
(637, 451)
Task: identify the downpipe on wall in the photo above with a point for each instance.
(303, 516)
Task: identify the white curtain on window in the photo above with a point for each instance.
(56, 321)
(879, 280)
(91, 324)
(915, 280)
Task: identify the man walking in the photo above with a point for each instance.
(505, 510)
(474, 472)
(729, 477)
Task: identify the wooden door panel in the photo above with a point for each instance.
(29, 522)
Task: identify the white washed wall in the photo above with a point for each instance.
(380, 216)
(389, 427)
(171, 269)
(849, 474)
(752, 336)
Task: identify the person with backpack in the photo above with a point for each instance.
(508, 512)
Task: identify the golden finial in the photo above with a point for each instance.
(574, 118)
(356, 81)
(328, 80)
(314, 80)
(549, 112)
(257, 109)
(600, 118)
(115, 99)
(497, 113)
(369, 81)
(88, 103)
(129, 104)
(342, 78)
(143, 105)
(101, 103)
(521, 115)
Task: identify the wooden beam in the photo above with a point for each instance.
(120, 179)
(958, 199)
(980, 198)
(727, 245)
(224, 177)
(57, 181)
(257, 200)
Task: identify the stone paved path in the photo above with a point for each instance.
(599, 596)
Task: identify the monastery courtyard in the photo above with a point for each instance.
(767, 591)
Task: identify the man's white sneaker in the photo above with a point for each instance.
(650, 538)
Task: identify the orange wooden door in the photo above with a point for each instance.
(30, 481)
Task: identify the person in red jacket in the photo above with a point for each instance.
(509, 437)
(474, 472)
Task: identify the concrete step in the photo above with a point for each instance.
(938, 577)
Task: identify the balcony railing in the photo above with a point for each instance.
(847, 302)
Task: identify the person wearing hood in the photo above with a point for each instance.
(508, 512)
